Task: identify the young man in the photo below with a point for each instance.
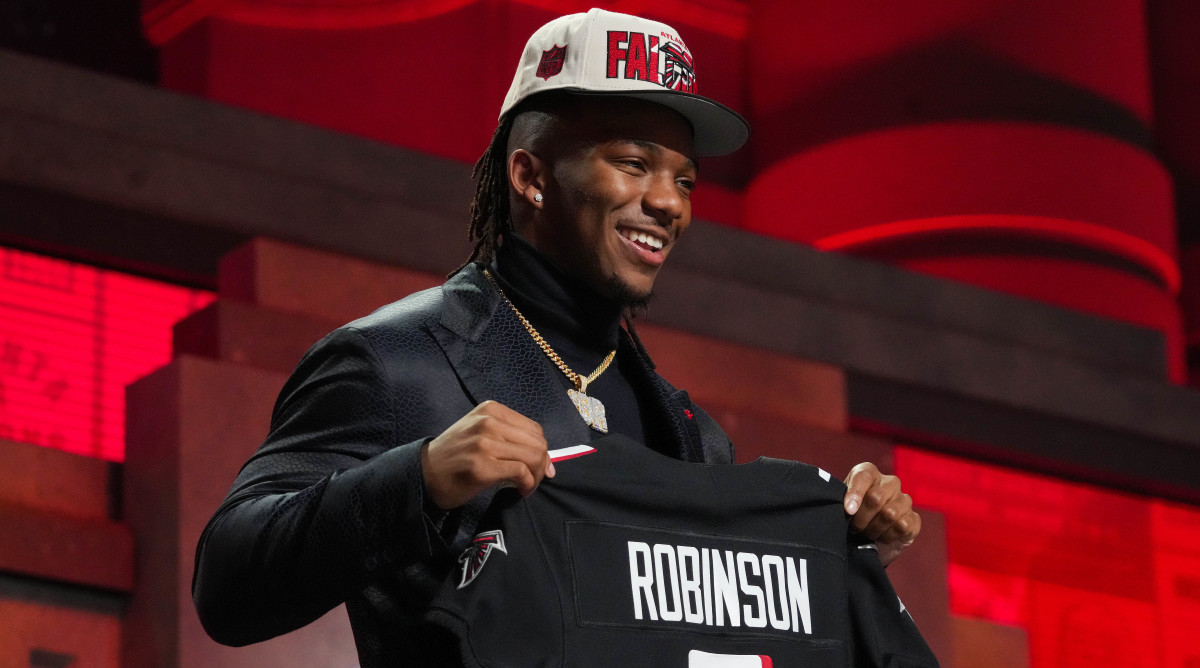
(391, 437)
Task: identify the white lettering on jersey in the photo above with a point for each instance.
(641, 580)
(725, 583)
(753, 615)
(683, 583)
(664, 555)
(798, 595)
(689, 584)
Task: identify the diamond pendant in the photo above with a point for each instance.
(590, 409)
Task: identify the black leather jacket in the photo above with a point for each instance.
(331, 509)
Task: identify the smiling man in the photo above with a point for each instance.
(392, 436)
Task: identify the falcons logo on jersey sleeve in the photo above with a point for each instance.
(476, 555)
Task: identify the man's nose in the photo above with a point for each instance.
(663, 200)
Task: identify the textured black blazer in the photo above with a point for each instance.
(331, 507)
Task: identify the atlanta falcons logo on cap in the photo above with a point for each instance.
(476, 555)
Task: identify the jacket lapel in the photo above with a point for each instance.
(670, 410)
(495, 358)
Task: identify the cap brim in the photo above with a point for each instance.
(716, 129)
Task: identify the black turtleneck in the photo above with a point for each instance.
(580, 324)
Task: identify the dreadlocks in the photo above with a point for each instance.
(489, 208)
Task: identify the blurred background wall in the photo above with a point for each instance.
(963, 242)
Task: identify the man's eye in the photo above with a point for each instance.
(686, 184)
(634, 163)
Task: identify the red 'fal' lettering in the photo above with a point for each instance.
(615, 53)
(635, 63)
(652, 59)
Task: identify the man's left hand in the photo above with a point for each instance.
(880, 511)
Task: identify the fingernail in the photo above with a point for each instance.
(550, 470)
(852, 505)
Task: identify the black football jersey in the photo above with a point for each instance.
(628, 558)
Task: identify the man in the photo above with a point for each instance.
(393, 433)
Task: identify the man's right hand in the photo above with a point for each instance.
(491, 445)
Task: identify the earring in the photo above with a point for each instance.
(537, 197)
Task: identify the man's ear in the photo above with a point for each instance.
(526, 177)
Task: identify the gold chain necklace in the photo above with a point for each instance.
(590, 408)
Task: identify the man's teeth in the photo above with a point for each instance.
(651, 241)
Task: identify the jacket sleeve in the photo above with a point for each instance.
(885, 635)
(328, 500)
(718, 448)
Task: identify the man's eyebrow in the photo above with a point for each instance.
(658, 148)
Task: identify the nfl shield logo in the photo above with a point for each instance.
(552, 62)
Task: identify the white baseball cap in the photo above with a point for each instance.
(605, 53)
